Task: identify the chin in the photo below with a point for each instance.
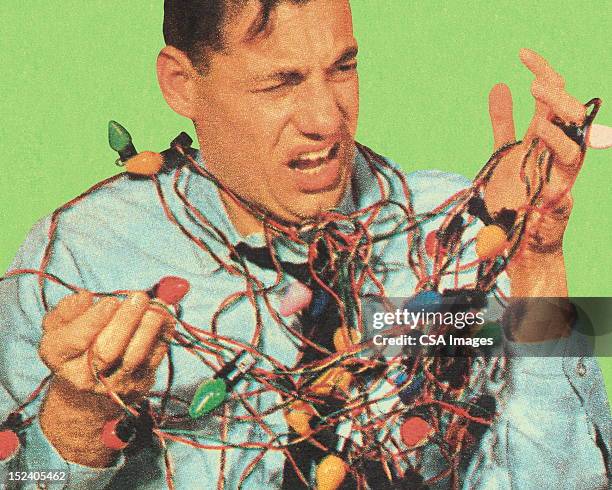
(314, 205)
(299, 206)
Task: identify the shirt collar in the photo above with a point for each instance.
(363, 190)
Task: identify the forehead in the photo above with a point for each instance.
(314, 32)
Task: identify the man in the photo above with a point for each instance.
(272, 90)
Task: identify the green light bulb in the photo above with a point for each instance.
(209, 395)
(118, 137)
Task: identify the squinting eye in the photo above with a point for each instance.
(279, 86)
(273, 88)
(348, 67)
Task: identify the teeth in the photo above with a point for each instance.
(315, 155)
(312, 171)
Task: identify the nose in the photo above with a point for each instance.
(320, 114)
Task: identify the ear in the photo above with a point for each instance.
(176, 76)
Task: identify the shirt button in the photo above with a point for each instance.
(581, 369)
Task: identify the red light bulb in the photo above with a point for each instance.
(415, 431)
(9, 444)
(431, 241)
(110, 438)
(171, 289)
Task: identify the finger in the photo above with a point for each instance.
(68, 309)
(137, 383)
(158, 355)
(74, 338)
(542, 70)
(144, 339)
(540, 67)
(559, 102)
(114, 338)
(567, 152)
(500, 111)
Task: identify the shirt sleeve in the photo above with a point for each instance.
(22, 370)
(553, 423)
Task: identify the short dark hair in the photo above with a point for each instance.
(196, 26)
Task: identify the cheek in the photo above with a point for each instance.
(243, 135)
(260, 125)
(349, 102)
(260, 147)
(272, 118)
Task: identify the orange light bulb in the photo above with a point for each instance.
(333, 379)
(298, 417)
(490, 242)
(345, 338)
(330, 472)
(145, 163)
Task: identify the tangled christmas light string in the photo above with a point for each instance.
(333, 383)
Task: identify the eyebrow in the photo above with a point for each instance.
(295, 76)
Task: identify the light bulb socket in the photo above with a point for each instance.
(235, 369)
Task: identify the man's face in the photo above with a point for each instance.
(276, 116)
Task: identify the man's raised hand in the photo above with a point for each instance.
(546, 227)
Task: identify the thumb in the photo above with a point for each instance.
(67, 310)
(500, 111)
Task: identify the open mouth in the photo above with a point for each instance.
(316, 171)
(313, 162)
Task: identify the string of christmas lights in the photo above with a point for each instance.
(337, 381)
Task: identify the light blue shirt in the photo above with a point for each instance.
(553, 427)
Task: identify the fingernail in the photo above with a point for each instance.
(109, 303)
(138, 299)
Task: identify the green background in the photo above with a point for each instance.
(68, 66)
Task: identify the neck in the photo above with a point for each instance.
(244, 222)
